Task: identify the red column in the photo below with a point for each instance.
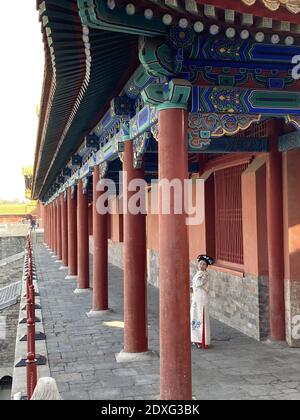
(275, 237)
(47, 217)
(175, 345)
(135, 327)
(52, 227)
(45, 224)
(50, 224)
(82, 238)
(64, 229)
(291, 215)
(100, 257)
(55, 227)
(72, 231)
(58, 227)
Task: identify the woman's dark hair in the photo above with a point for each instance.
(209, 260)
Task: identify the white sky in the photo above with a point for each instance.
(21, 75)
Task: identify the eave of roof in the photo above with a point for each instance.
(89, 67)
(84, 70)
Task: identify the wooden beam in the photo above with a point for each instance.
(258, 9)
(210, 11)
(192, 7)
(247, 19)
(282, 26)
(174, 4)
(289, 141)
(265, 23)
(295, 28)
(231, 145)
(229, 16)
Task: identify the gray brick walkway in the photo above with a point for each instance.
(82, 350)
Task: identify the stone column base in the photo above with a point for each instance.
(124, 357)
(292, 310)
(70, 277)
(81, 291)
(63, 267)
(99, 314)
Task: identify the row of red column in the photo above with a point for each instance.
(69, 240)
(66, 233)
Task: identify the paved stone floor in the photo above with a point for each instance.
(82, 350)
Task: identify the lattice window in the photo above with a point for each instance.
(228, 215)
(256, 130)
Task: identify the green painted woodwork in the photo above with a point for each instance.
(156, 57)
(174, 94)
(286, 100)
(96, 14)
(289, 141)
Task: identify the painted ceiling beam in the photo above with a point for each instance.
(245, 101)
(191, 6)
(257, 9)
(229, 16)
(230, 145)
(289, 141)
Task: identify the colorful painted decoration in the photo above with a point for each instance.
(181, 37)
(85, 170)
(103, 168)
(76, 160)
(196, 143)
(289, 141)
(294, 120)
(245, 50)
(218, 125)
(244, 101)
(140, 144)
(154, 131)
(292, 5)
(85, 182)
(140, 122)
(166, 95)
(98, 14)
(228, 144)
(137, 83)
(73, 191)
(156, 57)
(121, 105)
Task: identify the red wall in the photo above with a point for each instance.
(254, 218)
(291, 215)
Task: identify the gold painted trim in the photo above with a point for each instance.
(292, 6)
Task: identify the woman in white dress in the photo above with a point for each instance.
(200, 325)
